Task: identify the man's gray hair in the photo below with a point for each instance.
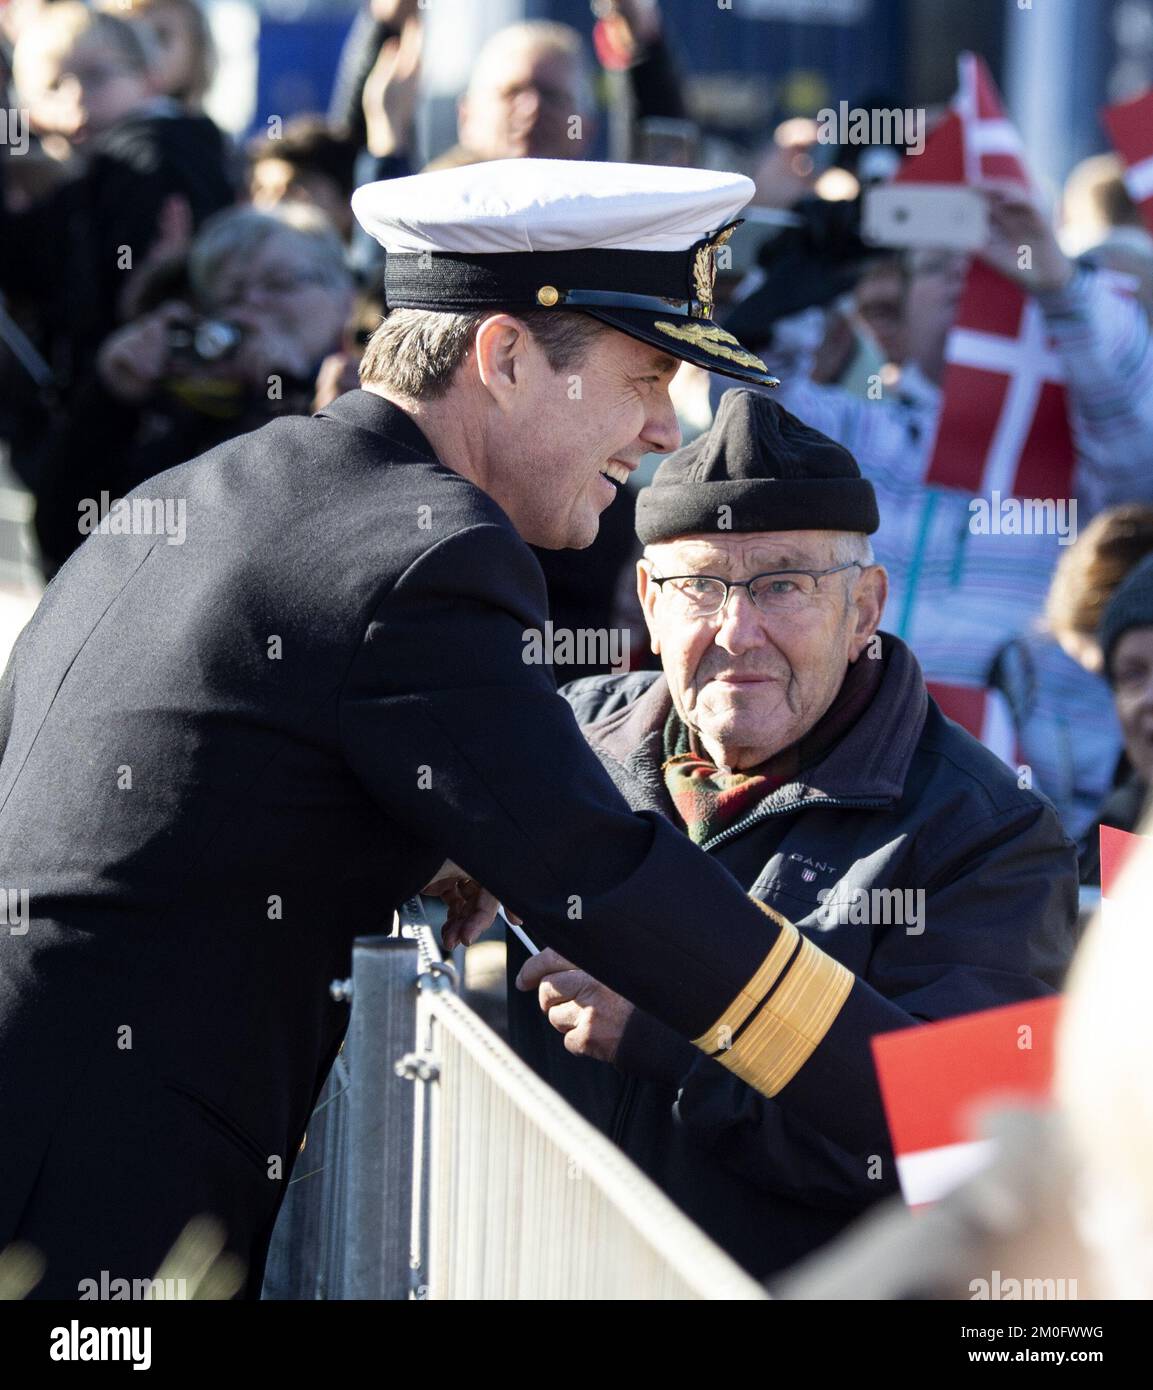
(852, 546)
(415, 353)
(236, 234)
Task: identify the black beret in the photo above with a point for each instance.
(1131, 606)
(772, 470)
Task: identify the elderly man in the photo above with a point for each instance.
(796, 745)
(231, 744)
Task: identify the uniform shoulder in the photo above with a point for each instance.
(596, 697)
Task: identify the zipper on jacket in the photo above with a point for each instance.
(759, 813)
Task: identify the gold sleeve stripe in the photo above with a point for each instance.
(790, 1026)
(766, 975)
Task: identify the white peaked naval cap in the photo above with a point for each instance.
(634, 245)
(550, 205)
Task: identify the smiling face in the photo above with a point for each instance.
(557, 434)
(752, 682)
(1132, 675)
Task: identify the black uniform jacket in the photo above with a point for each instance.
(223, 759)
(906, 803)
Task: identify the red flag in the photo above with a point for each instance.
(942, 160)
(1004, 422)
(937, 1078)
(1130, 127)
(1117, 848)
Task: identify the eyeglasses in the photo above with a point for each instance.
(779, 591)
(279, 283)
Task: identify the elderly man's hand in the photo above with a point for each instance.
(591, 1017)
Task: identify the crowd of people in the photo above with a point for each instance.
(119, 221)
(168, 291)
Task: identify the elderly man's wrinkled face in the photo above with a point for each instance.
(752, 680)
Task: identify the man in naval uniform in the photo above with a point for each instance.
(230, 745)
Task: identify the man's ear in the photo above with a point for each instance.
(869, 596)
(502, 351)
(647, 593)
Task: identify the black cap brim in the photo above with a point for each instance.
(702, 342)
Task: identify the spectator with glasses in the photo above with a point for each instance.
(794, 741)
(268, 297)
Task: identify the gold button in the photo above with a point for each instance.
(547, 295)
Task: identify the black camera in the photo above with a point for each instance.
(203, 342)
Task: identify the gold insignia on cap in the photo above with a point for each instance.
(547, 295)
(710, 337)
(705, 269)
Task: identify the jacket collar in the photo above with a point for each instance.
(365, 410)
(870, 763)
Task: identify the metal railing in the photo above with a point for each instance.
(438, 1165)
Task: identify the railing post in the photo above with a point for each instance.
(379, 1153)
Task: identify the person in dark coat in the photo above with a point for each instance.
(797, 745)
(284, 684)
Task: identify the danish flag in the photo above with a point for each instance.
(1130, 127)
(1004, 422)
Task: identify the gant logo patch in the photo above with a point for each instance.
(810, 867)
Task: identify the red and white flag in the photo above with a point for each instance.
(982, 712)
(1004, 423)
(938, 1079)
(1130, 127)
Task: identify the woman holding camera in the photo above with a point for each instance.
(268, 299)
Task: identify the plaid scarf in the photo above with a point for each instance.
(709, 800)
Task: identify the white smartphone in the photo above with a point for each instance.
(925, 214)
